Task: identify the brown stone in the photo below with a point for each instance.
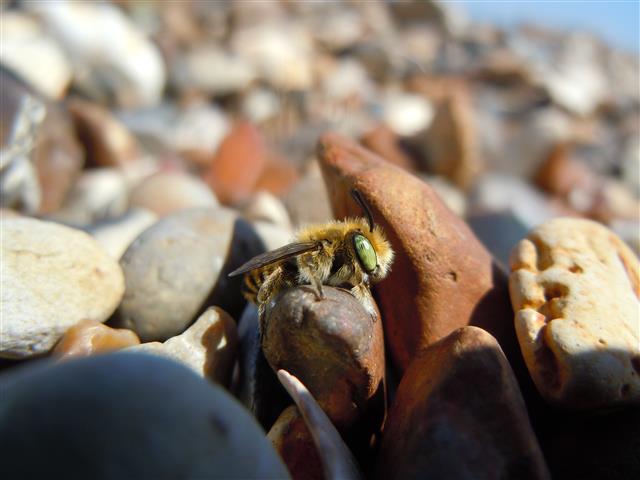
(108, 143)
(458, 413)
(293, 442)
(442, 277)
(238, 164)
(332, 345)
(450, 143)
(560, 174)
(384, 142)
(89, 337)
(278, 177)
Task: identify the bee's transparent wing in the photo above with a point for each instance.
(277, 255)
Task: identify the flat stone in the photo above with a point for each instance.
(178, 267)
(167, 192)
(122, 401)
(458, 413)
(89, 337)
(208, 347)
(52, 278)
(581, 344)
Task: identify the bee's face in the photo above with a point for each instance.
(365, 253)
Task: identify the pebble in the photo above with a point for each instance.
(115, 235)
(112, 60)
(581, 347)
(98, 194)
(238, 164)
(407, 114)
(53, 277)
(89, 337)
(27, 50)
(22, 114)
(264, 206)
(107, 142)
(308, 201)
(178, 266)
(122, 401)
(333, 346)
(458, 413)
(208, 347)
(437, 256)
(167, 192)
(210, 69)
(290, 437)
(384, 142)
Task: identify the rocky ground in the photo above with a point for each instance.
(150, 148)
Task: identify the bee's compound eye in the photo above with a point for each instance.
(366, 253)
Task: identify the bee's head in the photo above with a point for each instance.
(372, 250)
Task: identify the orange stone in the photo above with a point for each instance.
(89, 337)
(238, 164)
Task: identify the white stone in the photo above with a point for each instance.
(52, 277)
(116, 235)
(108, 53)
(26, 49)
(407, 114)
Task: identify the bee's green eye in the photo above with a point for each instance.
(366, 253)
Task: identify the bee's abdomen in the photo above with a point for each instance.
(253, 280)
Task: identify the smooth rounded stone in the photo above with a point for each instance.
(31, 53)
(107, 141)
(442, 277)
(168, 192)
(384, 142)
(458, 413)
(281, 53)
(117, 234)
(347, 27)
(180, 425)
(89, 337)
(52, 278)
(22, 117)
(112, 60)
(264, 206)
(290, 437)
(333, 346)
(98, 194)
(179, 265)
(308, 202)
(238, 164)
(279, 177)
(194, 130)
(408, 114)
(209, 69)
(580, 342)
(208, 347)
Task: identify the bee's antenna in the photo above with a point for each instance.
(357, 196)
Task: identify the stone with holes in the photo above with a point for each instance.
(574, 288)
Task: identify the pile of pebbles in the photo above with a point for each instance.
(148, 149)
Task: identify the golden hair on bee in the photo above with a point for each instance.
(351, 253)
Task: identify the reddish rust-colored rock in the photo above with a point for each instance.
(107, 142)
(383, 141)
(278, 177)
(458, 413)
(90, 337)
(293, 442)
(238, 164)
(559, 174)
(442, 277)
(333, 346)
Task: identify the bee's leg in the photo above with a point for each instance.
(363, 294)
(268, 290)
(317, 286)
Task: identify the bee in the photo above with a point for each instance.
(351, 253)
